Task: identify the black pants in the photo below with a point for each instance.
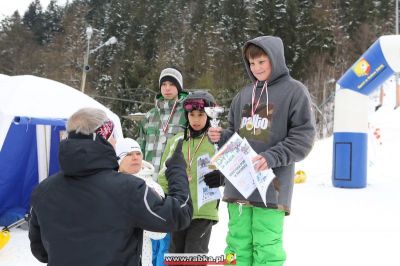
(193, 239)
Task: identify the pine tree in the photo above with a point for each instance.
(196, 46)
(34, 20)
(235, 21)
(71, 44)
(52, 21)
(16, 45)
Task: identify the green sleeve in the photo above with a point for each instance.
(162, 179)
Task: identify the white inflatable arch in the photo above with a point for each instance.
(350, 136)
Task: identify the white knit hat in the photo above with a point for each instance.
(173, 75)
(125, 146)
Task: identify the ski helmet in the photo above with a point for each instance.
(197, 100)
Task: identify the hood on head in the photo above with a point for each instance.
(85, 156)
(273, 47)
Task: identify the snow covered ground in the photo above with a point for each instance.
(327, 226)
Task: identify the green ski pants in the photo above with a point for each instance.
(255, 235)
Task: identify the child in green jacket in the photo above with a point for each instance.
(198, 151)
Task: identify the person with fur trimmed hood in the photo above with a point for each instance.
(131, 162)
(274, 114)
(198, 151)
(165, 119)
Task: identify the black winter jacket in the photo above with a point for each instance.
(89, 214)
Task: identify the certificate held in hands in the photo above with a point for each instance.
(234, 161)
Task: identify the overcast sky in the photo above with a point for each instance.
(7, 7)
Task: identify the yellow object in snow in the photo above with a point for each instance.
(300, 177)
(4, 238)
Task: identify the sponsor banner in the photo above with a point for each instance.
(368, 72)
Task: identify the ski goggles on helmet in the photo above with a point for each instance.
(194, 104)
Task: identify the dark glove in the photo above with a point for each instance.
(214, 179)
(177, 157)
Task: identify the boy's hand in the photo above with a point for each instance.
(259, 163)
(214, 134)
(214, 179)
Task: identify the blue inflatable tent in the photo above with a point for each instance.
(33, 113)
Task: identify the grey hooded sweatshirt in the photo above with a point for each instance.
(282, 128)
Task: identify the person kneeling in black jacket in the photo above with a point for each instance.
(88, 213)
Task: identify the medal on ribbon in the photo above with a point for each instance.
(163, 138)
(190, 158)
(249, 124)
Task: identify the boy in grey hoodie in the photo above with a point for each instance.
(274, 114)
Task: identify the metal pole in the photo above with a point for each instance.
(86, 67)
(397, 74)
(85, 64)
